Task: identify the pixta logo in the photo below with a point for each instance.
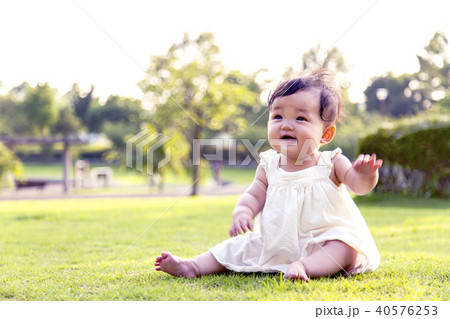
(147, 146)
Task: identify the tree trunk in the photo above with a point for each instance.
(67, 164)
(195, 168)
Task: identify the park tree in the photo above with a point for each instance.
(67, 123)
(255, 114)
(40, 109)
(432, 82)
(9, 116)
(79, 102)
(13, 119)
(412, 93)
(191, 92)
(117, 117)
(397, 102)
(72, 109)
(20, 92)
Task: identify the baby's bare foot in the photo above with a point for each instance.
(296, 270)
(176, 266)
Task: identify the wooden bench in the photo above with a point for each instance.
(38, 183)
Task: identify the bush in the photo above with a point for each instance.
(10, 166)
(416, 160)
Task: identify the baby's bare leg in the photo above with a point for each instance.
(333, 257)
(208, 265)
(203, 264)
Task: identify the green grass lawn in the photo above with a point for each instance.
(80, 250)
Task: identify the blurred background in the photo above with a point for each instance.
(78, 79)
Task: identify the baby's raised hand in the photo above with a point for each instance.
(242, 222)
(366, 166)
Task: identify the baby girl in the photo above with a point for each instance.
(309, 225)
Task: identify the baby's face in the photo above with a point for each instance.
(294, 123)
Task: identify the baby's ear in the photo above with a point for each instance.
(328, 134)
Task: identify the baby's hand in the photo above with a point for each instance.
(366, 166)
(242, 222)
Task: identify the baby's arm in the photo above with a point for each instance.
(361, 176)
(249, 204)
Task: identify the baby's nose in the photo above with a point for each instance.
(287, 126)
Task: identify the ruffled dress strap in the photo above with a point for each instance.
(325, 159)
(269, 162)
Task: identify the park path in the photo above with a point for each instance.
(55, 192)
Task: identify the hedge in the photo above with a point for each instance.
(10, 166)
(416, 162)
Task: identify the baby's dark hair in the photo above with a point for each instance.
(323, 81)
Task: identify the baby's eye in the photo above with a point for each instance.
(301, 118)
(277, 117)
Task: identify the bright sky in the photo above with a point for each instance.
(58, 41)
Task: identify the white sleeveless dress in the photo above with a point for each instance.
(303, 210)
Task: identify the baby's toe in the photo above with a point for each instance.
(290, 275)
(164, 255)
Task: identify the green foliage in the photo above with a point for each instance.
(116, 111)
(189, 85)
(66, 123)
(380, 143)
(10, 166)
(12, 118)
(396, 104)
(40, 109)
(192, 93)
(194, 89)
(415, 154)
(411, 93)
(26, 111)
(355, 125)
(432, 144)
(80, 104)
(174, 148)
(434, 68)
(119, 119)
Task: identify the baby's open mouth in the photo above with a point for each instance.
(286, 137)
